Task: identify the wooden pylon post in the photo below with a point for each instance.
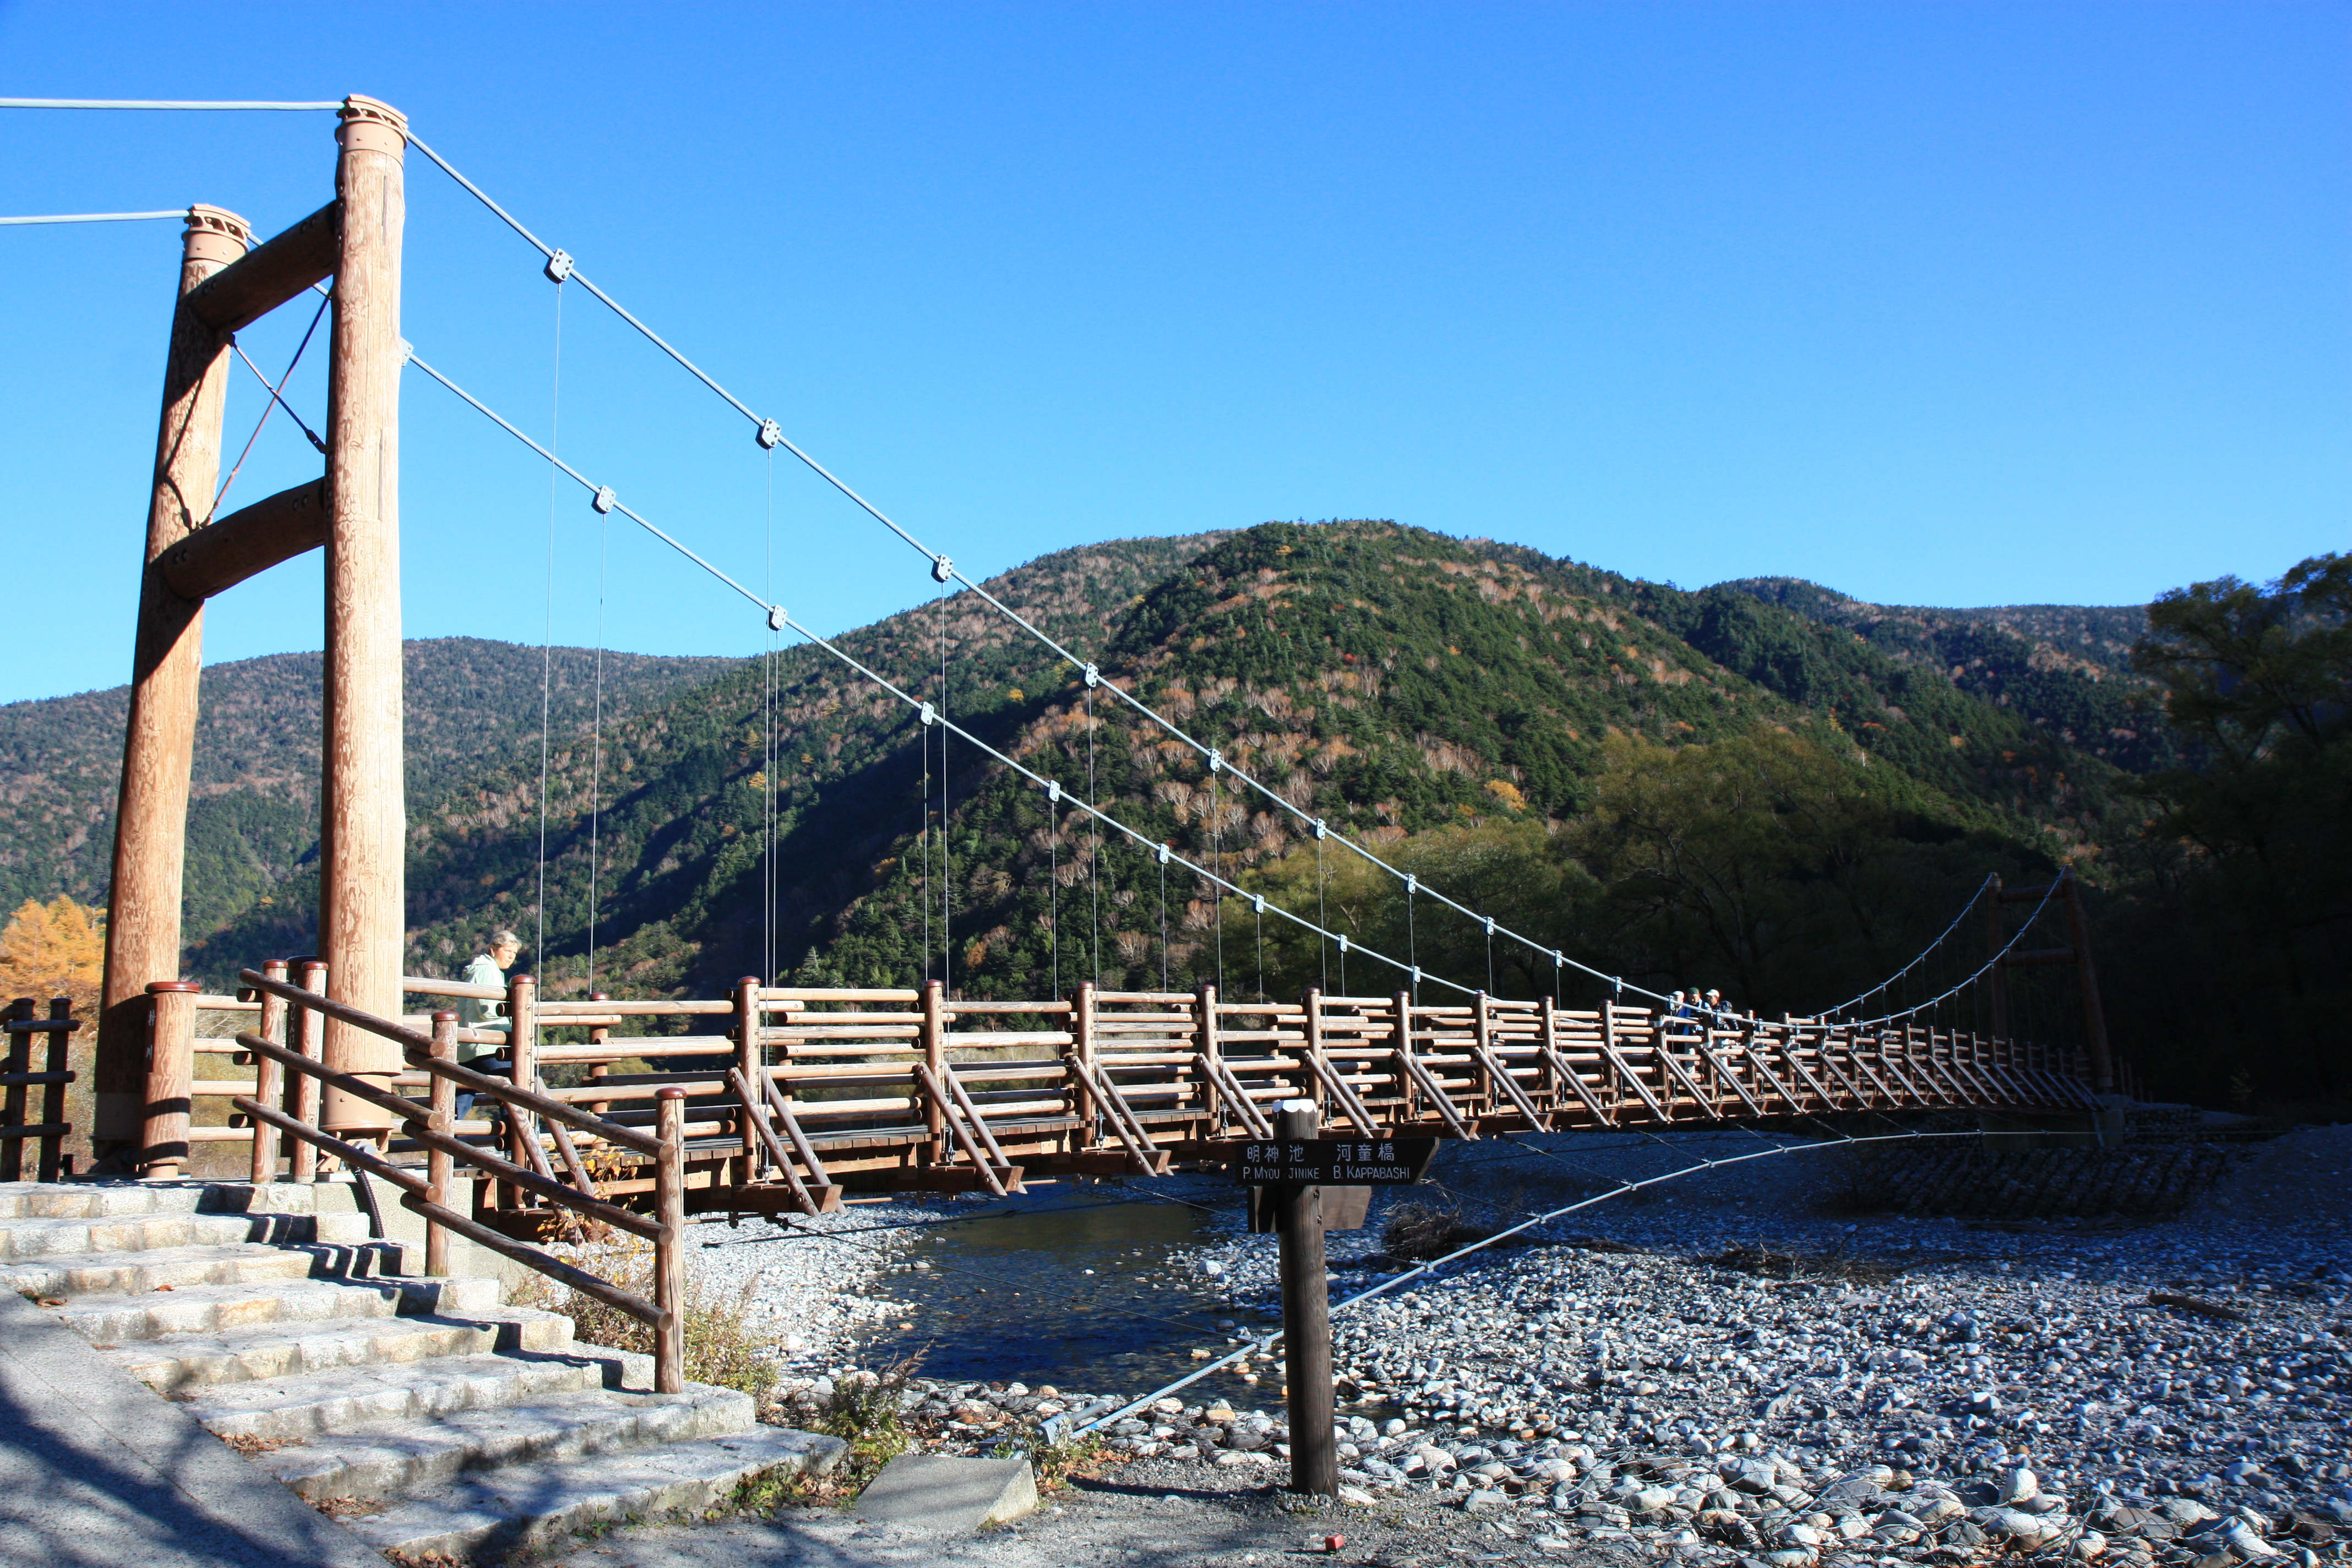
(362, 886)
(2086, 982)
(142, 926)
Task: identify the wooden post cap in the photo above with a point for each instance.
(673, 1093)
(159, 987)
(600, 996)
(214, 233)
(370, 125)
(444, 1017)
(749, 980)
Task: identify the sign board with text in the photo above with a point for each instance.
(1330, 1161)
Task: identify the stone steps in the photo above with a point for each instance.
(528, 1504)
(181, 1362)
(425, 1413)
(157, 1268)
(23, 1239)
(387, 1457)
(94, 1200)
(299, 1407)
(112, 1319)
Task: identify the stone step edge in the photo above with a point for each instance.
(403, 1295)
(275, 1262)
(508, 1330)
(393, 1459)
(531, 1504)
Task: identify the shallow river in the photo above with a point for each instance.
(1085, 1291)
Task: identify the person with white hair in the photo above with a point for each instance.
(480, 1014)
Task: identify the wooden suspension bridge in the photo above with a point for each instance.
(770, 1098)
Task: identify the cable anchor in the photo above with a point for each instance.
(771, 436)
(559, 266)
(1216, 760)
(1321, 829)
(930, 715)
(1054, 791)
(1094, 676)
(777, 620)
(605, 498)
(941, 568)
(1164, 855)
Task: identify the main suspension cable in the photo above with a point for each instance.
(92, 217)
(1987, 968)
(1852, 1001)
(770, 434)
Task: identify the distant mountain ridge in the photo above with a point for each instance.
(1393, 680)
(253, 813)
(2066, 666)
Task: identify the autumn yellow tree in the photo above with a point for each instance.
(56, 949)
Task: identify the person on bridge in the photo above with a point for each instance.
(475, 1013)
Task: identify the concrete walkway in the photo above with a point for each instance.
(96, 1470)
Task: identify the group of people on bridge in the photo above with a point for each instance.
(1705, 1010)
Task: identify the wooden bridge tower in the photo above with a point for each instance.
(2076, 954)
(353, 511)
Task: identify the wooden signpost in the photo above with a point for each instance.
(1292, 1173)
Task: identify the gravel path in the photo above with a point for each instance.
(1722, 1380)
(806, 1284)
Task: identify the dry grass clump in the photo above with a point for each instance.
(1754, 1257)
(1415, 1233)
(722, 1347)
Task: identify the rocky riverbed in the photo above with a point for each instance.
(1722, 1383)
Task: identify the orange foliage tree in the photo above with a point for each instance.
(56, 949)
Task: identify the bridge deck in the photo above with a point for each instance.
(886, 1090)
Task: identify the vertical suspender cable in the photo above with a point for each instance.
(1411, 946)
(547, 641)
(596, 749)
(1322, 917)
(1257, 908)
(1217, 854)
(1054, 885)
(923, 844)
(1094, 853)
(946, 870)
(770, 754)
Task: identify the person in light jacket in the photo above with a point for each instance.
(488, 968)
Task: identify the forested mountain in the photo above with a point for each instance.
(253, 813)
(1394, 682)
(2065, 666)
(1761, 786)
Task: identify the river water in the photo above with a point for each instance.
(1064, 1286)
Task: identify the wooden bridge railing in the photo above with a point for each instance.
(796, 1095)
(787, 1098)
(24, 1024)
(432, 1123)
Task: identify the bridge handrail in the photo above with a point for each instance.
(431, 1125)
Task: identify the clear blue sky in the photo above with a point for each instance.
(1945, 303)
